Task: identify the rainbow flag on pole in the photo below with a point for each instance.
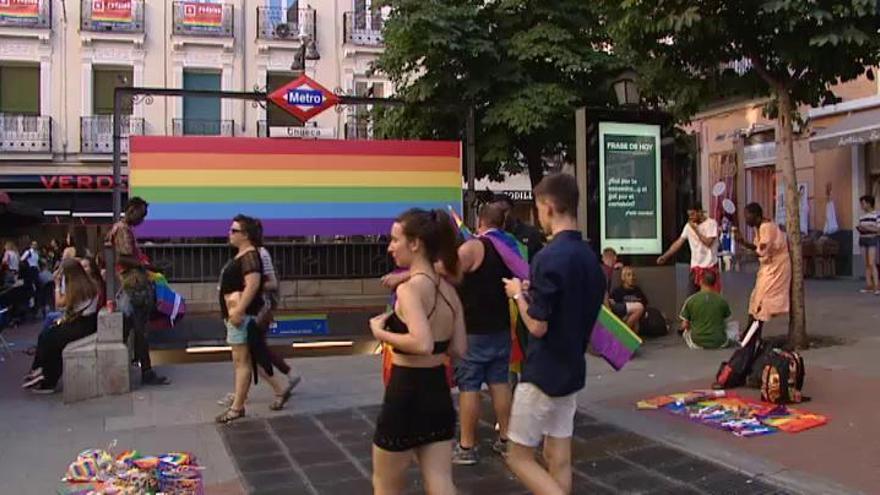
(613, 340)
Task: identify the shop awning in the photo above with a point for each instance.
(858, 128)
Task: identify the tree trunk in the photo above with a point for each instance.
(535, 163)
(797, 325)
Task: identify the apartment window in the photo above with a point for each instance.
(20, 89)
(275, 116)
(201, 115)
(104, 83)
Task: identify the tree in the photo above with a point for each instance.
(523, 64)
(790, 50)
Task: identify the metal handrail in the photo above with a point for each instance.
(203, 127)
(276, 23)
(363, 28)
(292, 260)
(25, 133)
(181, 26)
(89, 21)
(43, 19)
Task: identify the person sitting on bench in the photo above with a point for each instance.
(78, 296)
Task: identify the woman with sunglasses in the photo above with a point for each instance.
(240, 302)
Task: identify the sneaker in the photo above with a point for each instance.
(500, 447)
(226, 400)
(43, 389)
(33, 381)
(464, 457)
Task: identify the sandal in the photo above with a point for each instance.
(281, 400)
(230, 415)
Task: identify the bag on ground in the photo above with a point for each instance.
(733, 372)
(782, 378)
(653, 324)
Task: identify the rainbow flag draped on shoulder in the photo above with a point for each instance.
(514, 255)
(611, 338)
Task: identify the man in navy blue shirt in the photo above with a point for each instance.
(559, 305)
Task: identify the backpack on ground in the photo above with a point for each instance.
(782, 378)
(733, 372)
(763, 355)
(653, 324)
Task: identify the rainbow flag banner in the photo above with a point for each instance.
(613, 340)
(195, 185)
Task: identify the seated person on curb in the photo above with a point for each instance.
(80, 319)
(609, 266)
(704, 317)
(628, 301)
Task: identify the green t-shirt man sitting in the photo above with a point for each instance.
(704, 317)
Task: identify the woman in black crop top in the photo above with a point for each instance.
(240, 303)
(427, 324)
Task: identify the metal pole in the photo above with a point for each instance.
(580, 139)
(471, 170)
(110, 253)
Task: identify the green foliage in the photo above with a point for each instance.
(684, 49)
(523, 64)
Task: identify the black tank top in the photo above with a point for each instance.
(486, 309)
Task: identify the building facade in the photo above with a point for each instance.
(836, 153)
(60, 61)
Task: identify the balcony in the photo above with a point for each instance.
(203, 127)
(26, 15)
(25, 133)
(96, 133)
(203, 19)
(277, 24)
(363, 28)
(112, 16)
(357, 126)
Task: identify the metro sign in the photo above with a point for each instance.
(303, 98)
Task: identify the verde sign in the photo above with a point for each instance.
(629, 188)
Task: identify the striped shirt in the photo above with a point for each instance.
(870, 220)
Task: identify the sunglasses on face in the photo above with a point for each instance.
(235, 231)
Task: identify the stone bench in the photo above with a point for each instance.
(97, 365)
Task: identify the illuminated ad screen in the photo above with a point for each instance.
(629, 188)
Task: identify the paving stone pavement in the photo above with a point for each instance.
(329, 453)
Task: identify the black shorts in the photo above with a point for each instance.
(417, 409)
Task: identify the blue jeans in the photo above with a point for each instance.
(487, 361)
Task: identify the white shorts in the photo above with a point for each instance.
(536, 414)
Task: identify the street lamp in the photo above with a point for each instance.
(625, 88)
(307, 50)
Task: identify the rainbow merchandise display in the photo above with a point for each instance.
(96, 472)
(740, 416)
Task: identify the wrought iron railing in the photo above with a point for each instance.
(203, 127)
(275, 23)
(39, 17)
(363, 28)
(96, 133)
(115, 16)
(293, 261)
(25, 133)
(357, 126)
(204, 19)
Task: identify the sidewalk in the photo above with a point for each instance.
(41, 435)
